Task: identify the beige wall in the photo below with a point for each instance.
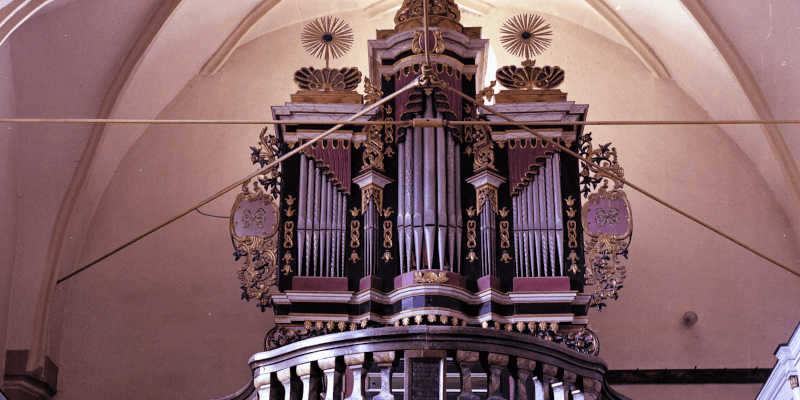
(163, 318)
(8, 195)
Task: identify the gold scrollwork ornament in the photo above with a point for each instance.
(288, 234)
(387, 234)
(355, 234)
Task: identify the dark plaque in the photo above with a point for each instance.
(425, 379)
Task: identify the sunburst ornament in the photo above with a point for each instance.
(327, 37)
(526, 35)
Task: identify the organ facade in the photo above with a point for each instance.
(461, 240)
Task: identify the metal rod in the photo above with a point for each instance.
(365, 123)
(232, 186)
(585, 160)
(425, 26)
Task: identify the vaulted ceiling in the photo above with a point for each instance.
(148, 59)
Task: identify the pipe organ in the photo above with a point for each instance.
(424, 210)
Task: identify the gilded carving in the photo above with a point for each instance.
(373, 148)
(530, 77)
(372, 92)
(414, 9)
(387, 235)
(572, 234)
(486, 94)
(327, 79)
(254, 222)
(607, 222)
(487, 194)
(355, 235)
(288, 234)
(471, 234)
(505, 238)
(431, 277)
(371, 193)
(287, 268)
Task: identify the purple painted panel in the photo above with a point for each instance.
(318, 284)
(255, 219)
(608, 216)
(557, 284)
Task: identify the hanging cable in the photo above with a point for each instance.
(267, 168)
(610, 173)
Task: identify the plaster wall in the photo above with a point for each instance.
(8, 195)
(64, 68)
(166, 312)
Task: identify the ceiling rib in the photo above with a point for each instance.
(755, 96)
(14, 14)
(235, 38)
(637, 44)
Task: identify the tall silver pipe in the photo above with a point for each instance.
(310, 200)
(418, 193)
(551, 218)
(533, 200)
(408, 221)
(559, 210)
(451, 202)
(329, 230)
(343, 234)
(515, 219)
(302, 200)
(317, 220)
(401, 205)
(368, 239)
(429, 183)
(459, 217)
(543, 215)
(525, 228)
(335, 226)
(441, 194)
(324, 222)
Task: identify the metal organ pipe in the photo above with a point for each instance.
(429, 215)
(301, 213)
(538, 223)
(321, 223)
(401, 204)
(408, 220)
(310, 199)
(556, 163)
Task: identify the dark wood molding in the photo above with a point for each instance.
(686, 376)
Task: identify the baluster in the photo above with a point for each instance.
(577, 395)
(558, 390)
(591, 389)
(464, 361)
(569, 382)
(497, 362)
(524, 372)
(385, 361)
(266, 388)
(538, 388)
(292, 386)
(356, 364)
(310, 376)
(333, 369)
(548, 379)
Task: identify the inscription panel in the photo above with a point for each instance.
(425, 379)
